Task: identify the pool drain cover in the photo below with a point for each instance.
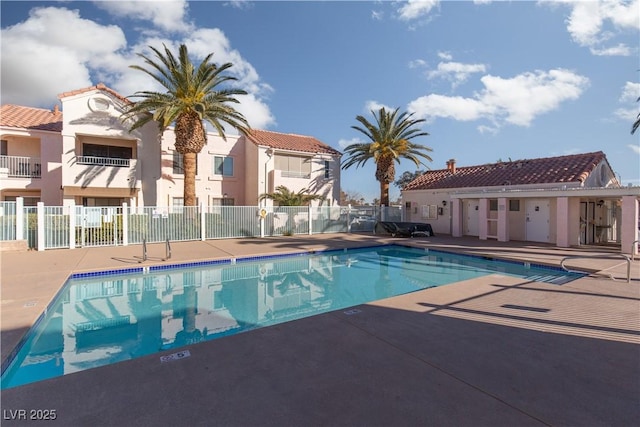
(175, 356)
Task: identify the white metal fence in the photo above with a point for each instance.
(52, 227)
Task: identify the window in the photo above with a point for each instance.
(514, 205)
(177, 205)
(493, 204)
(26, 201)
(293, 166)
(113, 152)
(326, 169)
(3, 147)
(102, 201)
(430, 211)
(225, 201)
(223, 166)
(178, 163)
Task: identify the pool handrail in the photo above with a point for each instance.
(633, 249)
(167, 250)
(625, 257)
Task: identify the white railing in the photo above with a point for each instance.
(295, 174)
(51, 227)
(7, 220)
(20, 167)
(102, 161)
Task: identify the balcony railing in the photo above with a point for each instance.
(103, 161)
(295, 174)
(20, 167)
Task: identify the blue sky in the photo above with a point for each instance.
(493, 80)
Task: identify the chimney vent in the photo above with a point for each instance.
(56, 109)
(451, 165)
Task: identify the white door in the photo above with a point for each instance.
(472, 218)
(537, 220)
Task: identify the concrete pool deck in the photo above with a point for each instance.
(494, 351)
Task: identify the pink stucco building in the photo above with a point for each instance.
(83, 154)
(566, 200)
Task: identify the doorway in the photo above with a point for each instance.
(537, 220)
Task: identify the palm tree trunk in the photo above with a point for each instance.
(189, 164)
(384, 193)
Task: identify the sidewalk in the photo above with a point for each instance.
(465, 354)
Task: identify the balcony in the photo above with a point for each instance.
(295, 174)
(105, 172)
(20, 167)
(103, 161)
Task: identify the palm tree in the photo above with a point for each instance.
(636, 124)
(285, 197)
(192, 96)
(390, 141)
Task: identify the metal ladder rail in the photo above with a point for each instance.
(167, 250)
(633, 249)
(144, 250)
(625, 257)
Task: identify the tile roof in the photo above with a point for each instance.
(564, 169)
(31, 118)
(288, 141)
(99, 86)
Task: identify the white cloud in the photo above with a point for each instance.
(445, 56)
(456, 72)
(630, 92)
(240, 4)
(414, 9)
(38, 64)
(39, 61)
(417, 63)
(344, 143)
(634, 148)
(377, 15)
(629, 96)
(370, 106)
(453, 107)
(593, 23)
(165, 15)
(256, 111)
(619, 50)
(518, 100)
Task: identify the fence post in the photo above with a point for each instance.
(72, 224)
(349, 218)
(383, 213)
(20, 216)
(203, 223)
(40, 216)
(125, 225)
(310, 219)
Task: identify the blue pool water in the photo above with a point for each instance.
(100, 319)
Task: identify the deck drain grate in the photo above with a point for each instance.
(352, 311)
(30, 304)
(175, 356)
(525, 308)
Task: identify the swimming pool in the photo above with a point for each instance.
(107, 317)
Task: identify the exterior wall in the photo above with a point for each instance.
(209, 186)
(252, 181)
(491, 224)
(147, 179)
(269, 178)
(516, 221)
(414, 202)
(94, 117)
(44, 148)
(602, 176)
